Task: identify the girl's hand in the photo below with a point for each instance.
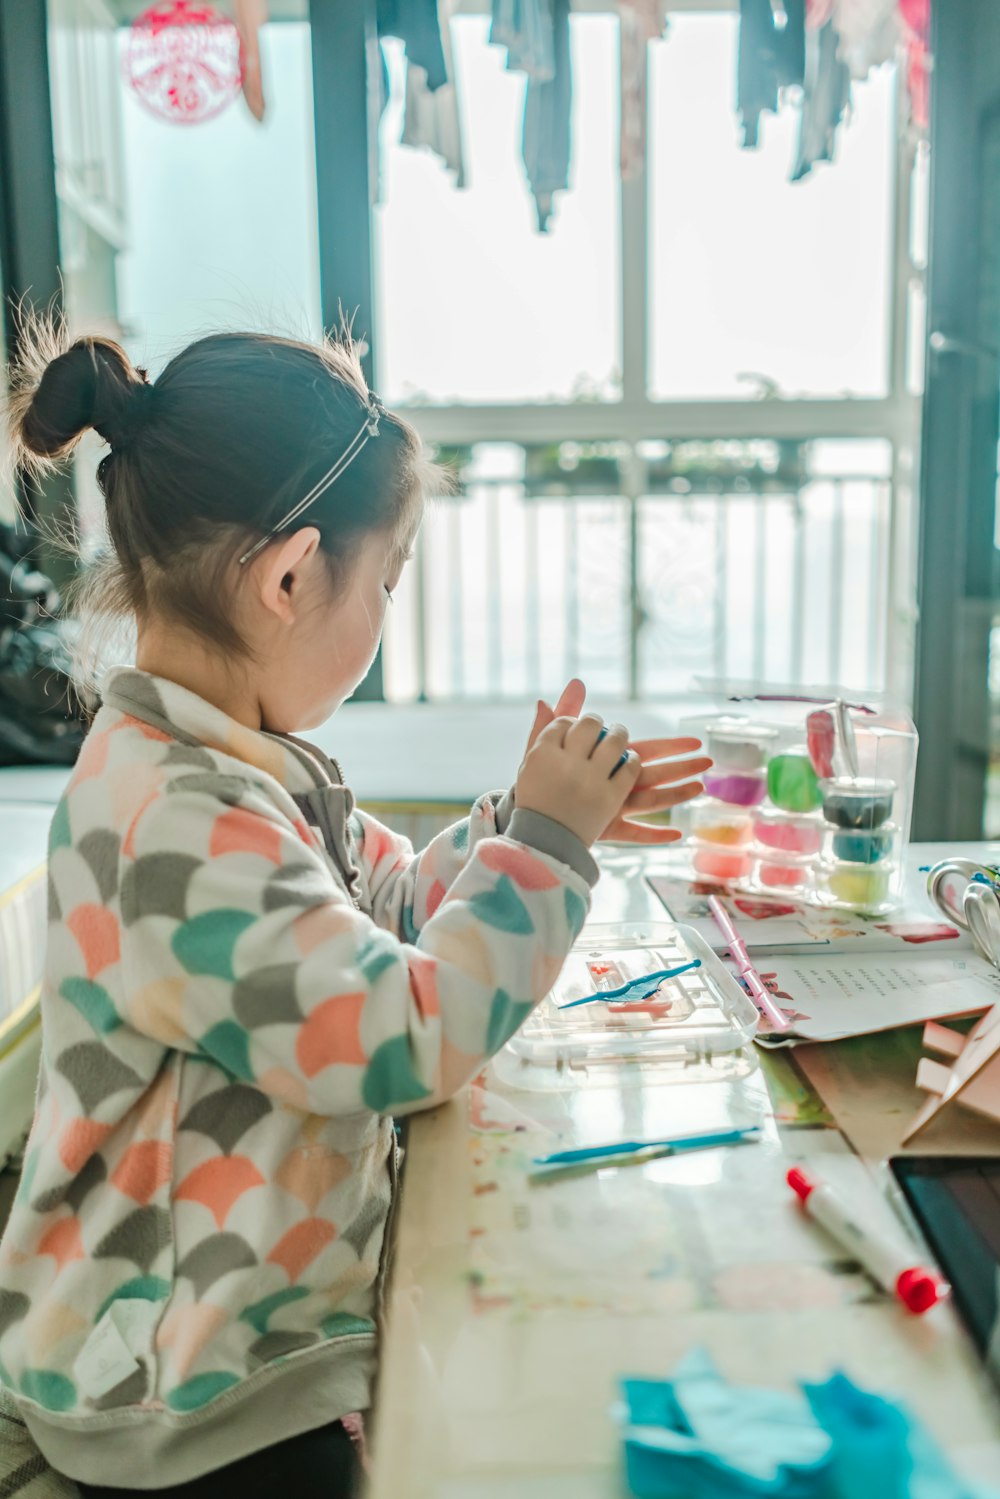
(658, 786)
(579, 774)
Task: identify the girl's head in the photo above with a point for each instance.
(206, 463)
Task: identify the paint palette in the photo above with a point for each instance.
(696, 1011)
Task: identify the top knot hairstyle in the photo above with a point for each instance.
(204, 463)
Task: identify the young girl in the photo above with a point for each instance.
(246, 977)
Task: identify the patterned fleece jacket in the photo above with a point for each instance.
(245, 978)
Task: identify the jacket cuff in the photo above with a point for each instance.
(550, 837)
(504, 810)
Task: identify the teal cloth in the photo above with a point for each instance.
(696, 1437)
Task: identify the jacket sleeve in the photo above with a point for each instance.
(406, 888)
(240, 946)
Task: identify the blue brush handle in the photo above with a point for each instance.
(625, 992)
(629, 1147)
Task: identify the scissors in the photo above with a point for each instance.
(969, 894)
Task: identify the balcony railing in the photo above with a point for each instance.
(641, 568)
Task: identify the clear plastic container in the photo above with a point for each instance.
(865, 845)
(852, 802)
(863, 757)
(740, 788)
(775, 871)
(715, 861)
(792, 783)
(699, 1017)
(858, 887)
(788, 832)
(735, 742)
(712, 821)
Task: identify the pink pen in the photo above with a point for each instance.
(917, 1288)
(738, 950)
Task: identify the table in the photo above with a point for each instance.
(514, 1308)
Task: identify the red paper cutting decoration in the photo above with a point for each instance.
(184, 61)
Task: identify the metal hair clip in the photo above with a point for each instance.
(368, 429)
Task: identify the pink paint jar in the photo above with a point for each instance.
(739, 788)
(717, 862)
(790, 832)
(786, 873)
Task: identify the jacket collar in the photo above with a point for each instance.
(184, 716)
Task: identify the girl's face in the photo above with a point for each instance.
(333, 642)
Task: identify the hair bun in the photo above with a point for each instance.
(60, 392)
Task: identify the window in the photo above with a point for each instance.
(683, 529)
(474, 305)
(759, 284)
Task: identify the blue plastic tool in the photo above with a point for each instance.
(640, 988)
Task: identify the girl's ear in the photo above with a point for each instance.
(279, 572)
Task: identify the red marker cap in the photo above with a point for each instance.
(800, 1183)
(919, 1290)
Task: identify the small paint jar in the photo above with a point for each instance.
(865, 846)
(736, 743)
(792, 783)
(863, 888)
(718, 863)
(740, 788)
(778, 872)
(852, 803)
(789, 832)
(712, 821)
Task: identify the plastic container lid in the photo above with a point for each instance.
(701, 1013)
(735, 742)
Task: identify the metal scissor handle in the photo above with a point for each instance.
(977, 908)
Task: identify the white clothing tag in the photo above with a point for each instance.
(109, 1354)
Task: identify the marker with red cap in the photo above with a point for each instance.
(918, 1289)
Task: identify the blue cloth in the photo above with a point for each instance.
(524, 27)
(696, 1437)
(548, 108)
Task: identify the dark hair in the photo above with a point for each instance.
(235, 431)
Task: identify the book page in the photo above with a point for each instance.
(832, 995)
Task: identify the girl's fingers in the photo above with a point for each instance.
(543, 716)
(665, 749)
(571, 699)
(623, 831)
(585, 734)
(557, 730)
(611, 748)
(661, 798)
(667, 773)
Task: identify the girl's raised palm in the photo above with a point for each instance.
(663, 782)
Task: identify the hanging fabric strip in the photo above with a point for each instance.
(640, 22)
(826, 99)
(527, 29)
(771, 57)
(416, 23)
(548, 107)
(916, 17)
(250, 16)
(433, 120)
(870, 32)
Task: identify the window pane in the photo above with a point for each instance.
(519, 583)
(474, 304)
(757, 281)
(768, 563)
(222, 216)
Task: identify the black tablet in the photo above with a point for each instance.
(956, 1202)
